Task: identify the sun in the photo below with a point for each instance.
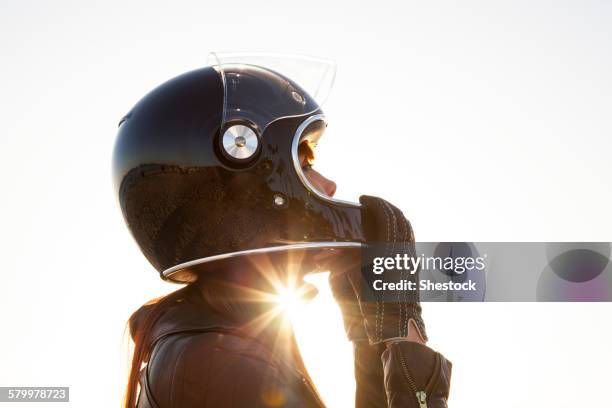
(290, 301)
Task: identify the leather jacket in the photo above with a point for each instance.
(201, 358)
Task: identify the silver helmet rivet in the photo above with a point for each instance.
(279, 200)
(240, 142)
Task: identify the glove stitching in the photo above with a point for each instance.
(413, 306)
(395, 238)
(405, 302)
(386, 207)
(380, 337)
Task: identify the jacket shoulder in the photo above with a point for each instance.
(218, 370)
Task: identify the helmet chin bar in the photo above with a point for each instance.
(171, 273)
(297, 138)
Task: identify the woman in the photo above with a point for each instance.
(214, 176)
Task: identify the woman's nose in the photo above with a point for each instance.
(321, 183)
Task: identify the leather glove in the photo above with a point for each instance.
(365, 322)
(384, 317)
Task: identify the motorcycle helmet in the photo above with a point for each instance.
(206, 166)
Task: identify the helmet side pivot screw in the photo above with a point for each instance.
(239, 143)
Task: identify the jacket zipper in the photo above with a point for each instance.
(421, 395)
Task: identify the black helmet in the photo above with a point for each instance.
(206, 168)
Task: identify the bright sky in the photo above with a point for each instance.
(483, 121)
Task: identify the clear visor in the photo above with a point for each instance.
(288, 85)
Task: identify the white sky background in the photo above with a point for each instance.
(488, 121)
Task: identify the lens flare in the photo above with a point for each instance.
(289, 300)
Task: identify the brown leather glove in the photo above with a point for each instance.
(413, 375)
(373, 314)
(388, 232)
(384, 223)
